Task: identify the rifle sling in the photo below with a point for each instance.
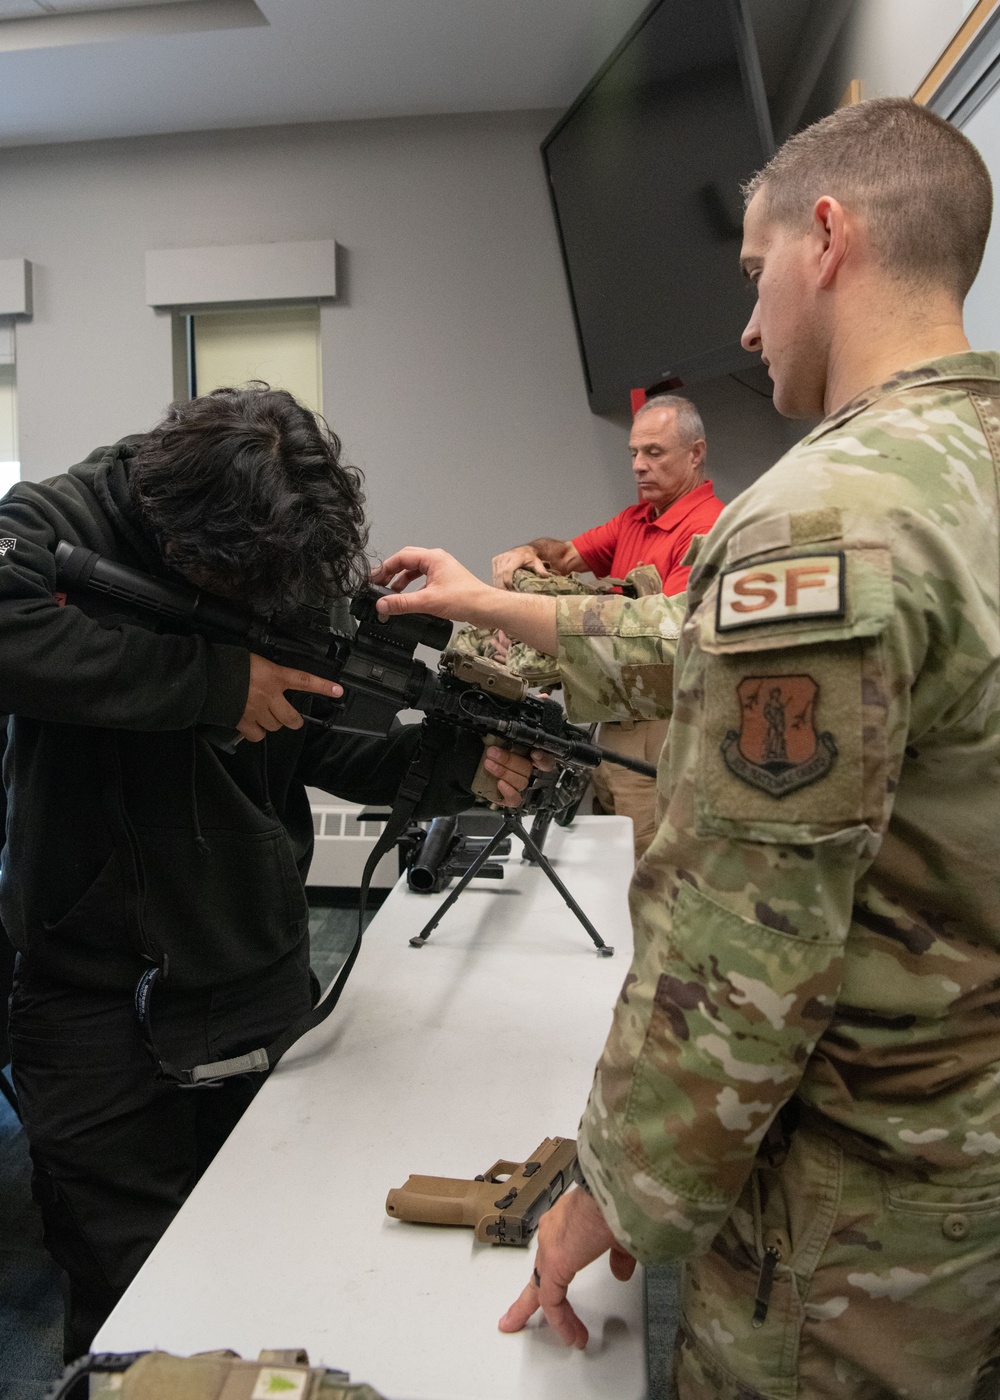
(433, 739)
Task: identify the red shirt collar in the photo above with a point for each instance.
(680, 510)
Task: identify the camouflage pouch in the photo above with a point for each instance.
(639, 582)
(536, 667)
(218, 1375)
(527, 581)
(474, 641)
(525, 662)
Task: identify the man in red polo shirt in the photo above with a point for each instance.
(667, 446)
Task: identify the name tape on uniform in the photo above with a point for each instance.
(782, 590)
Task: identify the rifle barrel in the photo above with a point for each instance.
(634, 765)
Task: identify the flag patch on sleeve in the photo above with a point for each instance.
(781, 590)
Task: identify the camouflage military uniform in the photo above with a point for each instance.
(637, 736)
(523, 661)
(800, 1093)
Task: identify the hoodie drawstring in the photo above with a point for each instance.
(199, 839)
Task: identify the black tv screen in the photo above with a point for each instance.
(645, 171)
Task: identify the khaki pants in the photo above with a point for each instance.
(625, 794)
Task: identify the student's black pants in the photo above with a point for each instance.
(6, 982)
(115, 1150)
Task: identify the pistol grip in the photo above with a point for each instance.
(484, 784)
(438, 1200)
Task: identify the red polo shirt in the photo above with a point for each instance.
(638, 537)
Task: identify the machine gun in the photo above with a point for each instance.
(503, 1205)
(435, 856)
(376, 667)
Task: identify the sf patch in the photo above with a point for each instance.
(777, 747)
(781, 590)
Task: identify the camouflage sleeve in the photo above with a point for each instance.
(784, 751)
(616, 655)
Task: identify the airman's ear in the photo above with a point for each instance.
(831, 231)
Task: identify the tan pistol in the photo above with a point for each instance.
(503, 1205)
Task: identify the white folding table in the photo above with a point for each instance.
(438, 1061)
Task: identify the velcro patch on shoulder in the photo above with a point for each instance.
(781, 590)
(759, 538)
(783, 740)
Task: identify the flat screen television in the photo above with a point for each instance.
(645, 171)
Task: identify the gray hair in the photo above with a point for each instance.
(688, 419)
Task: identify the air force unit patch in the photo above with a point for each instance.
(777, 747)
(782, 590)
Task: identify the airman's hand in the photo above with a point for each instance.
(450, 591)
(266, 708)
(524, 557)
(571, 1235)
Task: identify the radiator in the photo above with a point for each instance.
(343, 844)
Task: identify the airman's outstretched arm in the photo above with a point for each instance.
(615, 654)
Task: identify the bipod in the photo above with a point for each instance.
(513, 826)
(539, 831)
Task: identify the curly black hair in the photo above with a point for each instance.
(244, 490)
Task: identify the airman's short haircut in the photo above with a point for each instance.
(922, 187)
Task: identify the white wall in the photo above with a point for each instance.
(450, 364)
(982, 308)
(745, 434)
(890, 45)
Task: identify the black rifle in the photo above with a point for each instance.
(376, 667)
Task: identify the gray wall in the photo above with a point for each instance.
(890, 45)
(450, 363)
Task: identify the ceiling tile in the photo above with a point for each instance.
(62, 7)
(308, 61)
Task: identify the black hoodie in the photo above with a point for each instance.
(130, 839)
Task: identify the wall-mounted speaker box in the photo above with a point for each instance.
(15, 287)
